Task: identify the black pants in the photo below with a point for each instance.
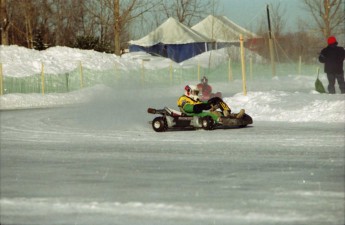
(331, 82)
(216, 101)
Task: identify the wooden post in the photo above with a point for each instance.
(273, 65)
(67, 81)
(299, 65)
(81, 75)
(243, 66)
(251, 67)
(198, 71)
(171, 72)
(42, 78)
(1, 81)
(230, 77)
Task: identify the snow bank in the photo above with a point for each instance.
(290, 107)
(19, 61)
(291, 98)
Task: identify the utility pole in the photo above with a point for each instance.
(270, 42)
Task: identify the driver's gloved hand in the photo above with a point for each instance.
(198, 108)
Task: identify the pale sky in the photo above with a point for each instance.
(247, 13)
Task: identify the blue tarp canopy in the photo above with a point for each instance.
(172, 39)
(176, 52)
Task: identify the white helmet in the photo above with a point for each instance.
(192, 91)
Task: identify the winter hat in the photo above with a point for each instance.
(331, 40)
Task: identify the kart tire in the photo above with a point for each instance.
(159, 124)
(207, 123)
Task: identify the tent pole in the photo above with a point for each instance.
(170, 71)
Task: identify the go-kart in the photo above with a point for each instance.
(171, 119)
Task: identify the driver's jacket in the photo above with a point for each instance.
(186, 104)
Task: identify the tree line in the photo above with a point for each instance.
(103, 25)
(108, 25)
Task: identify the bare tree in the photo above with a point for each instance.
(60, 22)
(187, 11)
(117, 26)
(44, 18)
(328, 14)
(4, 22)
(97, 20)
(126, 14)
(28, 12)
(114, 17)
(65, 20)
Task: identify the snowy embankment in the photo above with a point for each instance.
(291, 107)
(290, 99)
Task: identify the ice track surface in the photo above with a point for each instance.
(101, 163)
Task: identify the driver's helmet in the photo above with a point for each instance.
(192, 91)
(204, 80)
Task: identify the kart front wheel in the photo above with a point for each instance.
(159, 124)
(207, 123)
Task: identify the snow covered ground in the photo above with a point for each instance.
(91, 157)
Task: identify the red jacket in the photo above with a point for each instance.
(205, 89)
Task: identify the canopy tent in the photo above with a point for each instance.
(172, 39)
(223, 31)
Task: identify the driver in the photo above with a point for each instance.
(190, 104)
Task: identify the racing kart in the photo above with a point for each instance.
(171, 119)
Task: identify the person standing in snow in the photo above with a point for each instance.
(333, 57)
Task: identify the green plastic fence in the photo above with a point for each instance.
(71, 81)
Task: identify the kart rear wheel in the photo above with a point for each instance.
(246, 120)
(207, 123)
(159, 124)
